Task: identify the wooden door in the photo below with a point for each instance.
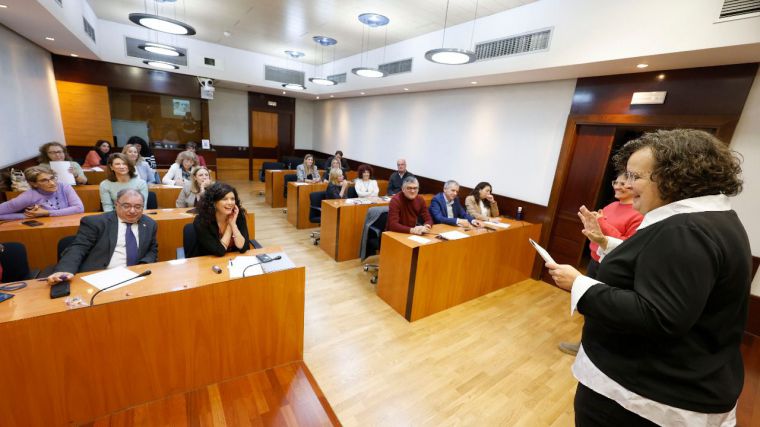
(264, 134)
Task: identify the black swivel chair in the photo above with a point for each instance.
(351, 193)
(15, 263)
(189, 241)
(270, 165)
(152, 200)
(315, 212)
(288, 178)
(374, 238)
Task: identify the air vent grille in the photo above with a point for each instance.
(88, 29)
(134, 51)
(338, 78)
(515, 45)
(283, 75)
(403, 66)
(734, 8)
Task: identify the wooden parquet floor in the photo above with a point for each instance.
(490, 362)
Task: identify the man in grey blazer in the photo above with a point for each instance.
(115, 239)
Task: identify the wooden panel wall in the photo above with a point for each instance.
(85, 112)
(263, 129)
(228, 169)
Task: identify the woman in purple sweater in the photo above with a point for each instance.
(46, 198)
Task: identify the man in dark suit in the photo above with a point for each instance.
(445, 207)
(120, 238)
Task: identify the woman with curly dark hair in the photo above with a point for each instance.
(665, 315)
(220, 225)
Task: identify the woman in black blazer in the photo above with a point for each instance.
(220, 226)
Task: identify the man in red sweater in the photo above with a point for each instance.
(406, 207)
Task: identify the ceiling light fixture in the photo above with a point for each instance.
(406, 88)
(227, 33)
(162, 65)
(473, 83)
(450, 55)
(161, 23)
(294, 86)
(294, 54)
(160, 49)
(2, 6)
(371, 20)
(52, 39)
(324, 41)
(642, 65)
(74, 55)
(298, 83)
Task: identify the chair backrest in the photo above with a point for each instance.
(351, 193)
(157, 177)
(15, 262)
(289, 178)
(315, 205)
(189, 240)
(292, 162)
(381, 222)
(270, 165)
(152, 200)
(64, 243)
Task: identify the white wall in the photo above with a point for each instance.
(508, 135)
(746, 141)
(304, 138)
(29, 111)
(228, 118)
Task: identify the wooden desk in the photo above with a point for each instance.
(274, 186)
(180, 329)
(42, 242)
(299, 203)
(340, 232)
(418, 280)
(90, 195)
(95, 177)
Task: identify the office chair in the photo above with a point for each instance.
(288, 178)
(315, 212)
(15, 263)
(152, 200)
(64, 243)
(157, 177)
(266, 166)
(351, 193)
(374, 238)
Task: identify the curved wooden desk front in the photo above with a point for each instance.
(420, 279)
(181, 328)
(42, 242)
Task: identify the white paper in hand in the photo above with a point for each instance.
(61, 169)
(541, 251)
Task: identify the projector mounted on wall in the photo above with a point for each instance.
(207, 88)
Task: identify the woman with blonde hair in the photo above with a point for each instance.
(143, 169)
(307, 172)
(179, 172)
(192, 191)
(337, 186)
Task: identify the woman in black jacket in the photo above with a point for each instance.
(220, 225)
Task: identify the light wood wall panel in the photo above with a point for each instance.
(85, 112)
(264, 129)
(228, 169)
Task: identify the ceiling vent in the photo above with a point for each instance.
(134, 51)
(88, 29)
(515, 45)
(398, 67)
(283, 75)
(737, 9)
(338, 78)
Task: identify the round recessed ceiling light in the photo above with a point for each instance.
(322, 82)
(294, 53)
(642, 65)
(473, 83)
(52, 39)
(227, 33)
(2, 6)
(450, 56)
(368, 72)
(74, 55)
(293, 86)
(361, 93)
(317, 97)
(406, 88)
(332, 96)
(163, 24)
(324, 40)
(373, 19)
(160, 49)
(162, 65)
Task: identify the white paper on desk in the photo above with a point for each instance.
(240, 263)
(419, 239)
(541, 251)
(107, 278)
(491, 224)
(97, 169)
(453, 235)
(301, 183)
(61, 169)
(284, 263)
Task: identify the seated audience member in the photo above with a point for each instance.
(480, 203)
(446, 209)
(192, 191)
(56, 152)
(307, 172)
(114, 239)
(46, 197)
(407, 209)
(142, 168)
(220, 225)
(99, 156)
(394, 183)
(179, 172)
(145, 151)
(364, 185)
(337, 186)
(121, 175)
(342, 163)
(193, 148)
(334, 164)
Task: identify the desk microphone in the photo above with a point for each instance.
(216, 269)
(143, 274)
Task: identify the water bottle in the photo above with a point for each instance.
(519, 215)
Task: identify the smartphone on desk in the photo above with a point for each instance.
(264, 258)
(60, 289)
(32, 223)
(4, 296)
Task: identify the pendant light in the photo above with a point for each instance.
(162, 24)
(371, 20)
(324, 41)
(450, 55)
(294, 55)
(160, 49)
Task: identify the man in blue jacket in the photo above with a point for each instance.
(445, 207)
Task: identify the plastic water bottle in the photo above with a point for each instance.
(519, 215)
